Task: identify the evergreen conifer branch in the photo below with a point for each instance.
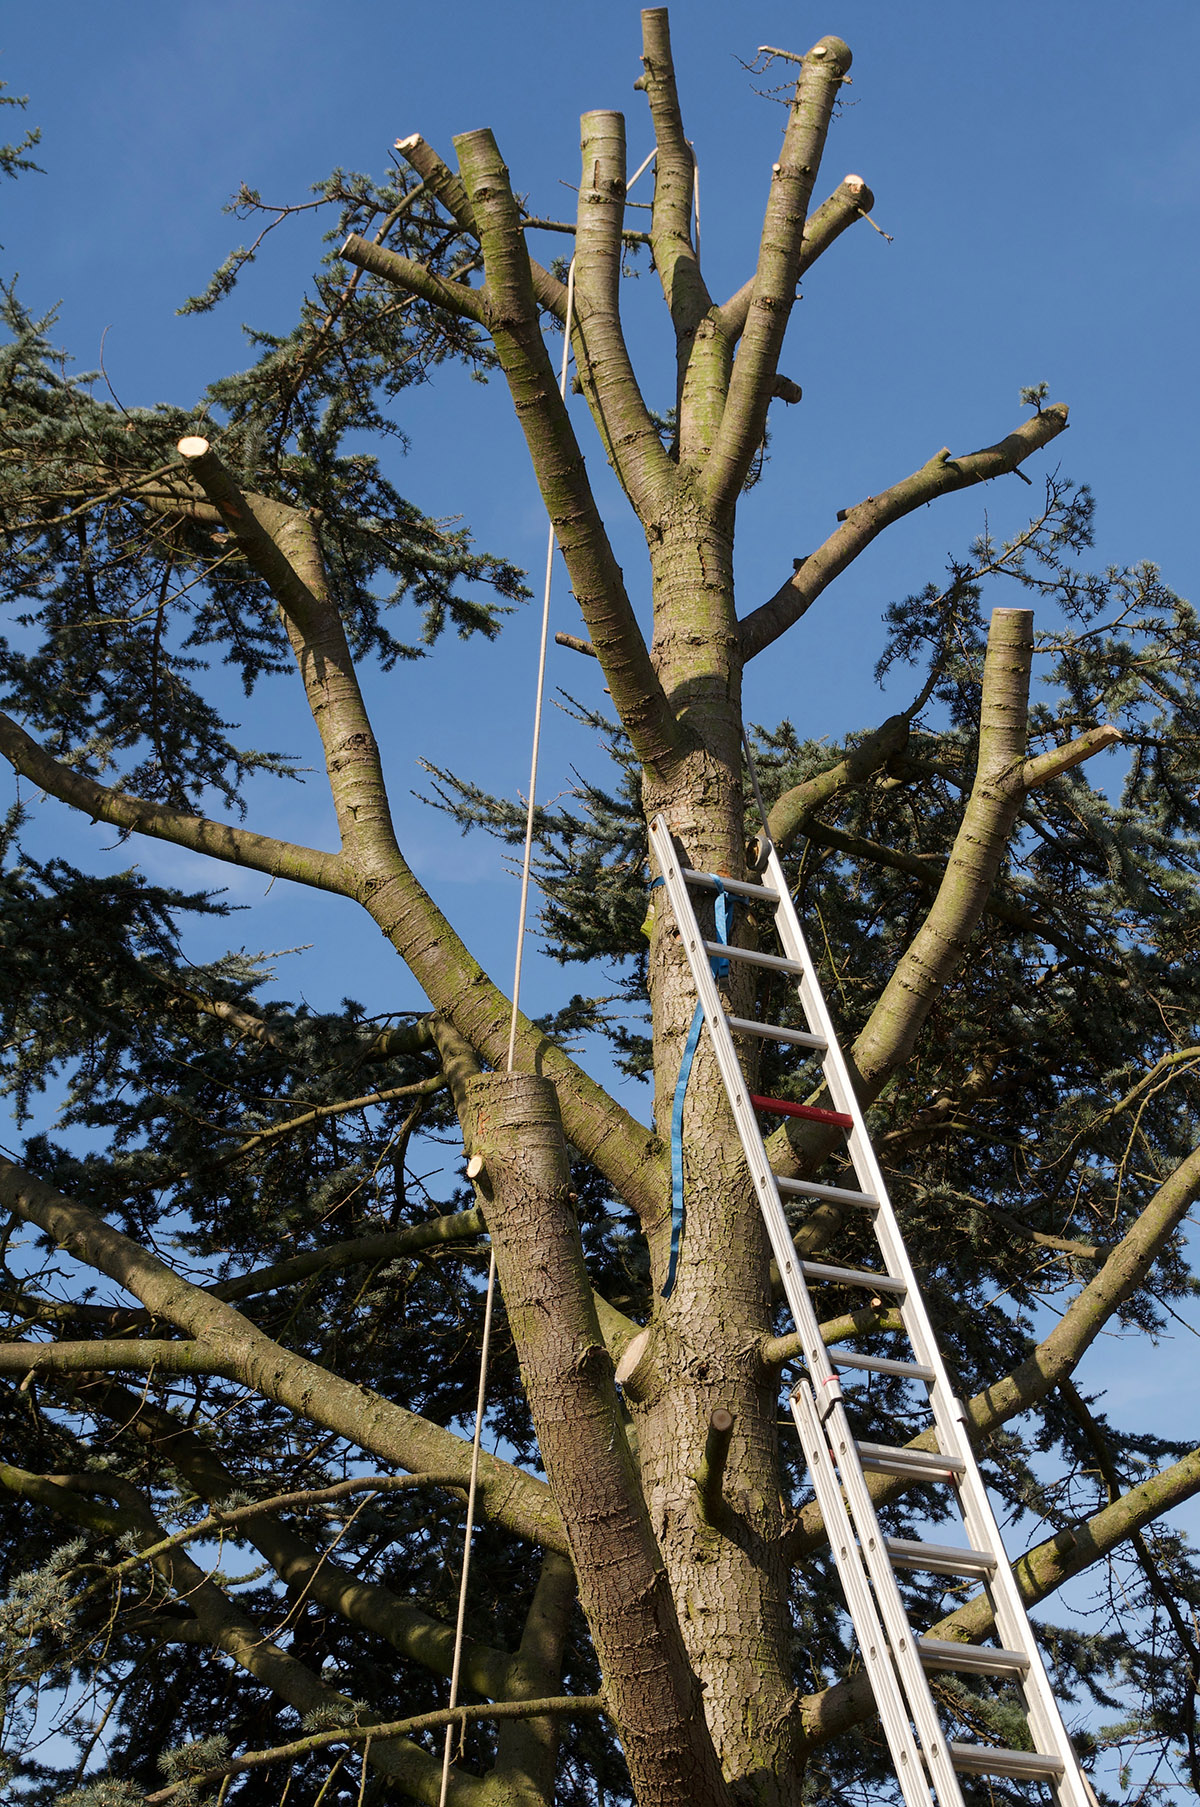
(238, 1350)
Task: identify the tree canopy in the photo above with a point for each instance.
(242, 1334)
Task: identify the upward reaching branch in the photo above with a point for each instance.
(778, 269)
(441, 180)
(675, 257)
(657, 736)
(282, 545)
(629, 432)
(939, 946)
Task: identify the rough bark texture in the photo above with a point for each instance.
(624, 1587)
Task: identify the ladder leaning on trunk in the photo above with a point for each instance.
(896, 1659)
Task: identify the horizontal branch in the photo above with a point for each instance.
(386, 1245)
(222, 1518)
(392, 1728)
(136, 815)
(860, 525)
(576, 644)
(1062, 1245)
(529, 224)
(777, 1351)
(240, 1352)
(1061, 759)
(421, 1088)
(405, 273)
(929, 869)
(138, 1355)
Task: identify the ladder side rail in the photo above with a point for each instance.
(943, 1401)
(870, 1540)
(762, 1178)
(838, 1443)
(875, 1650)
(1014, 1628)
(982, 1528)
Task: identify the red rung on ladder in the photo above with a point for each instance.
(778, 1107)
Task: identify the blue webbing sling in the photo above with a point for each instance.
(720, 966)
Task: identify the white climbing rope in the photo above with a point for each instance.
(527, 861)
(489, 1301)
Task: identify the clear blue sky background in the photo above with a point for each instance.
(1037, 165)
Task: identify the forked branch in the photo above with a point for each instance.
(626, 426)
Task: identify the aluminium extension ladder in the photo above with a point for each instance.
(926, 1762)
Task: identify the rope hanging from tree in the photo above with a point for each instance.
(522, 909)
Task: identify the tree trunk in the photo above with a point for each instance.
(730, 1578)
(525, 1185)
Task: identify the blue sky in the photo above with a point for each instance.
(1038, 168)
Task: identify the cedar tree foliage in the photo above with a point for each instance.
(241, 1340)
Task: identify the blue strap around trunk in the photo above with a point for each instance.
(720, 966)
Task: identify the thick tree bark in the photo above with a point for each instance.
(525, 1187)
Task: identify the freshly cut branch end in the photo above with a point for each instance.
(634, 1351)
(1061, 759)
(192, 446)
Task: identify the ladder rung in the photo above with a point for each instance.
(726, 950)
(812, 1113)
(739, 886)
(971, 1659)
(940, 1558)
(882, 1458)
(836, 1195)
(994, 1760)
(853, 1276)
(882, 1364)
(775, 1032)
